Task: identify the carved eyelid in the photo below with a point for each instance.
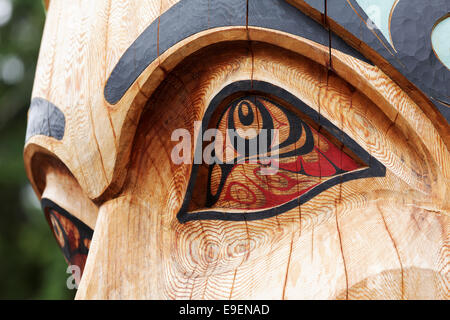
(259, 88)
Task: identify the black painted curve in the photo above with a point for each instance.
(85, 232)
(412, 22)
(189, 17)
(374, 169)
(44, 118)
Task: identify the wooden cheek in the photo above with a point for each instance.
(332, 246)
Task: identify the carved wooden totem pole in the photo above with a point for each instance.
(246, 149)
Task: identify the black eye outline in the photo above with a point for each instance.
(249, 87)
(84, 230)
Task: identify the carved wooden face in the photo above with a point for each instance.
(195, 149)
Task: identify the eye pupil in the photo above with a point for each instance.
(246, 114)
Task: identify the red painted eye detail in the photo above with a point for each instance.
(303, 158)
(72, 235)
(271, 156)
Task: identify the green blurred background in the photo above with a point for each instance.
(31, 264)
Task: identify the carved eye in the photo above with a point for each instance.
(270, 156)
(301, 158)
(73, 236)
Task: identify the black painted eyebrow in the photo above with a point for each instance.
(189, 17)
(413, 55)
(44, 118)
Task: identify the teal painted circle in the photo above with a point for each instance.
(440, 38)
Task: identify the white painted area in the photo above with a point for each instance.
(379, 12)
(440, 39)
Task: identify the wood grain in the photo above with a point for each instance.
(334, 250)
(373, 238)
(109, 130)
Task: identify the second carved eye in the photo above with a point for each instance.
(72, 235)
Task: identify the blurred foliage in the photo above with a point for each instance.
(31, 264)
